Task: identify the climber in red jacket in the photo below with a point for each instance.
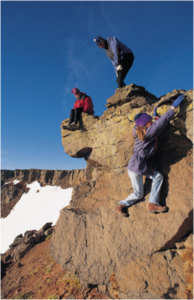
(83, 103)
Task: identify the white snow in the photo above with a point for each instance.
(16, 181)
(33, 210)
(7, 183)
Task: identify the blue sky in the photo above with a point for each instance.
(47, 49)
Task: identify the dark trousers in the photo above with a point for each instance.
(126, 64)
(75, 115)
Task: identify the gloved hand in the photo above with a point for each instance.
(119, 68)
(178, 100)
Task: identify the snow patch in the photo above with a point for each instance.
(16, 181)
(33, 210)
(6, 183)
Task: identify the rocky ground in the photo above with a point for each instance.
(38, 276)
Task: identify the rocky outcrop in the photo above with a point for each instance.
(22, 244)
(90, 239)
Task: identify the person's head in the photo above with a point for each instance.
(100, 42)
(143, 121)
(76, 92)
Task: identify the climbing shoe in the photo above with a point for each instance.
(154, 208)
(119, 210)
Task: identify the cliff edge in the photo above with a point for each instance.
(92, 241)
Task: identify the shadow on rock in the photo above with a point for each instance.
(185, 229)
(171, 292)
(4, 267)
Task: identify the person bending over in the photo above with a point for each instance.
(141, 163)
(120, 55)
(83, 103)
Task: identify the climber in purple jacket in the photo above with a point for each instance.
(120, 55)
(141, 163)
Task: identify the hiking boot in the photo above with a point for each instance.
(119, 210)
(66, 127)
(73, 125)
(154, 208)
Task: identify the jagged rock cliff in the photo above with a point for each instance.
(64, 178)
(90, 239)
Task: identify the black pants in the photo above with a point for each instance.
(75, 115)
(126, 64)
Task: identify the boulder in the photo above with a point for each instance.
(49, 231)
(38, 236)
(28, 233)
(19, 239)
(20, 251)
(47, 226)
(128, 94)
(29, 240)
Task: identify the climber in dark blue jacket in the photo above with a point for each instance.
(141, 163)
(120, 55)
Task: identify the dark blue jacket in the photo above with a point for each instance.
(141, 161)
(119, 50)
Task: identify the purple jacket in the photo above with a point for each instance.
(141, 161)
(119, 50)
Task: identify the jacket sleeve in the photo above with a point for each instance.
(78, 103)
(156, 128)
(114, 47)
(87, 104)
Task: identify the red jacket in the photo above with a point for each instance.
(85, 102)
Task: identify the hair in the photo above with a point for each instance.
(141, 132)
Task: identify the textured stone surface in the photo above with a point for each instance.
(160, 276)
(128, 94)
(64, 178)
(52, 177)
(189, 242)
(6, 174)
(20, 251)
(94, 242)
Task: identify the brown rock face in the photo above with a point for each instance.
(63, 178)
(90, 239)
(10, 194)
(137, 95)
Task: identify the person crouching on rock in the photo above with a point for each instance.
(141, 163)
(120, 55)
(83, 103)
